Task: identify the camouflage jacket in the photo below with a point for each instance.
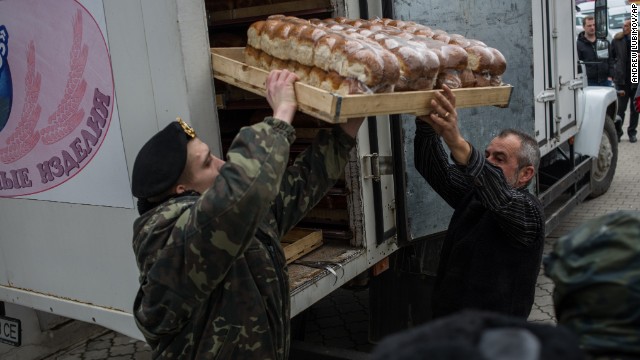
(595, 270)
(213, 279)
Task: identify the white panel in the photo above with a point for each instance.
(554, 42)
(69, 57)
(540, 52)
(192, 24)
(77, 260)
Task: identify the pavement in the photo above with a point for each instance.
(341, 320)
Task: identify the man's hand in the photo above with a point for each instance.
(281, 94)
(444, 120)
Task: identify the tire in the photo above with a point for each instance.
(604, 167)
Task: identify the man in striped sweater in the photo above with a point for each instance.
(491, 255)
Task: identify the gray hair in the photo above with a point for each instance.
(529, 153)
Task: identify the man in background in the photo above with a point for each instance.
(621, 56)
(598, 70)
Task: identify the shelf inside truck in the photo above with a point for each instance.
(221, 16)
(229, 66)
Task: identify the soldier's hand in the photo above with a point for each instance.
(281, 94)
(352, 126)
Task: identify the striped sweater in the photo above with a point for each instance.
(491, 255)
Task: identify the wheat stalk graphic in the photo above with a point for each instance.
(24, 138)
(68, 115)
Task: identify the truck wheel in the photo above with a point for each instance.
(604, 167)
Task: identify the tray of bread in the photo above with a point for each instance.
(354, 68)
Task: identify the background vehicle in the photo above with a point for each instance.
(618, 10)
(66, 250)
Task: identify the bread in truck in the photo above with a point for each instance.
(352, 56)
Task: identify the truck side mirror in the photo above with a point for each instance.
(601, 19)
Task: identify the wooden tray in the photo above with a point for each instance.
(299, 242)
(228, 66)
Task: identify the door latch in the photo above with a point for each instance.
(546, 96)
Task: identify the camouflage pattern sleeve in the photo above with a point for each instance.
(312, 174)
(595, 270)
(211, 234)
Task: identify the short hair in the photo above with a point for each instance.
(588, 17)
(529, 153)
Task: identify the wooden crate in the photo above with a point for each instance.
(299, 242)
(228, 66)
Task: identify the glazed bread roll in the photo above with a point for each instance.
(378, 55)
(418, 64)
(349, 55)
(452, 58)
(480, 58)
(407, 26)
(499, 64)
(314, 76)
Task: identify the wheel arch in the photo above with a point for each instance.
(599, 102)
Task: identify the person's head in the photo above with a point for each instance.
(201, 168)
(173, 162)
(596, 272)
(589, 25)
(626, 27)
(517, 154)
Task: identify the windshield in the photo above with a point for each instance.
(616, 21)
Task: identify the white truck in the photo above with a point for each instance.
(84, 83)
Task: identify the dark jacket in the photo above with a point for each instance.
(213, 279)
(492, 251)
(587, 52)
(622, 60)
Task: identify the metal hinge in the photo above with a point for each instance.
(545, 96)
(379, 165)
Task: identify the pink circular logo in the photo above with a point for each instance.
(56, 93)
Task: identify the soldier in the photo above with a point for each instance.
(213, 280)
(596, 272)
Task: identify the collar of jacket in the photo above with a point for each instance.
(619, 36)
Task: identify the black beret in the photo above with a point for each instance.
(161, 160)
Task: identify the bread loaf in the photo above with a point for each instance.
(419, 65)
(407, 26)
(314, 76)
(355, 55)
(467, 78)
(480, 58)
(499, 63)
(349, 55)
